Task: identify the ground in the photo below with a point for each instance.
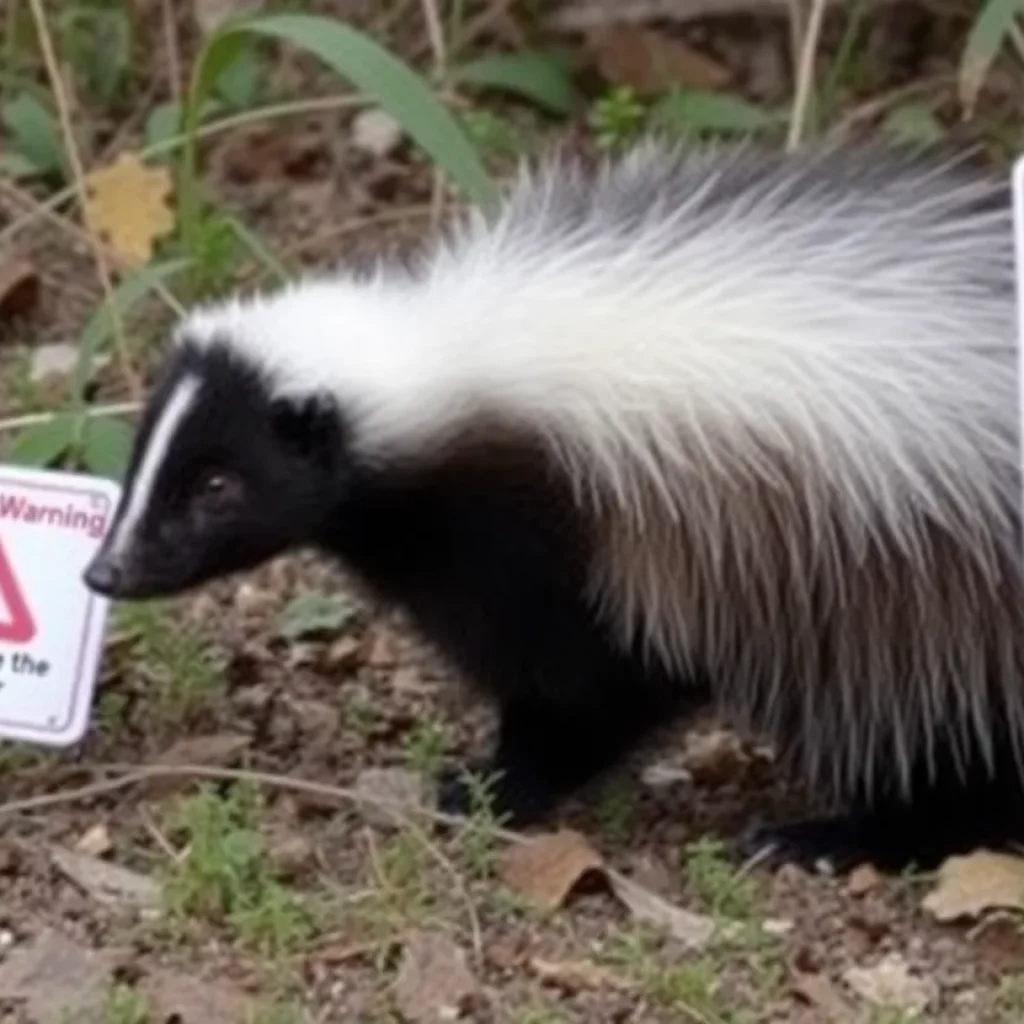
(265, 891)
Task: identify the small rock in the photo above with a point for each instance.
(54, 360)
(95, 841)
(291, 854)
(862, 879)
(714, 757)
(376, 132)
(664, 776)
(434, 983)
(889, 983)
(384, 649)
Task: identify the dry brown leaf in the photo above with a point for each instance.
(127, 207)
(94, 841)
(109, 884)
(818, 991)
(890, 984)
(577, 975)
(54, 977)
(434, 982)
(19, 288)
(650, 61)
(693, 930)
(977, 882)
(547, 868)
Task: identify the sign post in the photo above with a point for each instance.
(51, 625)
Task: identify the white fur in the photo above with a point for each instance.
(688, 332)
(174, 411)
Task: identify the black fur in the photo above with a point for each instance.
(484, 550)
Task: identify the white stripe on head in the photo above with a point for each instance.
(141, 489)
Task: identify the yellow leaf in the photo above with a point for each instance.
(127, 207)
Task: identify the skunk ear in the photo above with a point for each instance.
(307, 425)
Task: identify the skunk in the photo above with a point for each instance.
(721, 429)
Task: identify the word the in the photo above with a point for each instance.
(22, 664)
(65, 516)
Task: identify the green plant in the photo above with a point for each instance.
(996, 22)
(226, 877)
(725, 891)
(616, 117)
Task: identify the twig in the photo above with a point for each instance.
(435, 32)
(171, 42)
(356, 224)
(71, 147)
(805, 73)
(878, 104)
(35, 418)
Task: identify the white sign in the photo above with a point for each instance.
(51, 624)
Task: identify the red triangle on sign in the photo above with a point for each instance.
(21, 627)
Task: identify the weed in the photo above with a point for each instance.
(425, 747)
(614, 810)
(122, 1004)
(177, 659)
(723, 890)
(616, 118)
(226, 877)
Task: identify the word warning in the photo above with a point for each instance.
(51, 624)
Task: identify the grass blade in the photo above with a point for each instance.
(543, 78)
(106, 446)
(989, 32)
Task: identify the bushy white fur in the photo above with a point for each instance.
(785, 389)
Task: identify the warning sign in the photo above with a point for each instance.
(51, 625)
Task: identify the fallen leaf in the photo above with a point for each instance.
(862, 879)
(311, 613)
(94, 841)
(127, 207)
(547, 869)
(216, 749)
(650, 61)
(693, 930)
(976, 882)
(54, 977)
(434, 982)
(56, 359)
(19, 288)
(109, 884)
(376, 132)
(890, 984)
(664, 776)
(186, 999)
(576, 975)
(818, 991)
(386, 791)
(345, 653)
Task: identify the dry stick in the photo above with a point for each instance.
(171, 42)
(71, 147)
(435, 32)
(33, 419)
(805, 73)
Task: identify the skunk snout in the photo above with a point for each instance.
(105, 574)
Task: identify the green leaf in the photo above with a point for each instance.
(543, 78)
(314, 612)
(990, 30)
(914, 123)
(99, 326)
(42, 443)
(356, 57)
(34, 132)
(15, 166)
(237, 84)
(259, 249)
(698, 110)
(106, 446)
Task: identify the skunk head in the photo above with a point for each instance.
(226, 472)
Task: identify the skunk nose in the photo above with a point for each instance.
(103, 575)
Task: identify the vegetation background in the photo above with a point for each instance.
(244, 835)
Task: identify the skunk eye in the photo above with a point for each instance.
(218, 485)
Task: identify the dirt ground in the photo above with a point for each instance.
(252, 898)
